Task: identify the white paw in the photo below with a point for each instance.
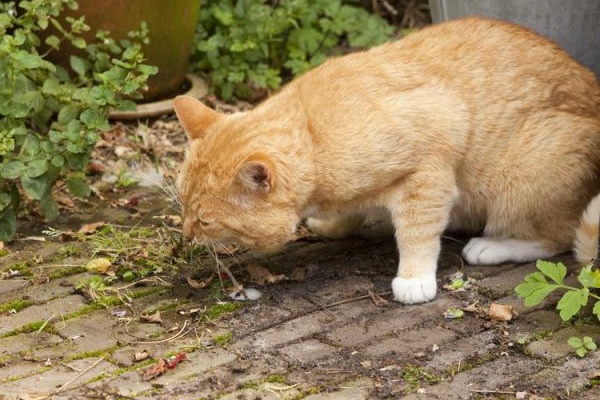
(484, 251)
(414, 290)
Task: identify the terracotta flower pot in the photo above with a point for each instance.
(171, 25)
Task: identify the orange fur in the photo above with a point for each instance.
(473, 124)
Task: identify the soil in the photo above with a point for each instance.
(317, 332)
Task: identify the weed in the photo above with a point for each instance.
(583, 346)
(536, 287)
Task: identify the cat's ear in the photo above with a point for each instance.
(255, 176)
(194, 116)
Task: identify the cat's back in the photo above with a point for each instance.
(478, 52)
(483, 61)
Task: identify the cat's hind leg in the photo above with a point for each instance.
(494, 250)
(337, 227)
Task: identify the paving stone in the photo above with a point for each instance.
(355, 390)
(504, 283)
(556, 347)
(307, 351)
(287, 332)
(89, 333)
(410, 342)
(42, 312)
(451, 356)
(19, 369)
(498, 374)
(7, 286)
(591, 394)
(265, 391)
(569, 376)
(49, 381)
(200, 361)
(56, 288)
(26, 342)
(394, 319)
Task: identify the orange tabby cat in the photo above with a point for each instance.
(474, 124)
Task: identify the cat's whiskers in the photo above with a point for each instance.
(213, 249)
(169, 189)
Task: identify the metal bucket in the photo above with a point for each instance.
(573, 24)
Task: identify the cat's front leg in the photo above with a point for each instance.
(420, 216)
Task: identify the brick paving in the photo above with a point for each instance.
(319, 338)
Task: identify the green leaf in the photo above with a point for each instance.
(581, 351)
(571, 302)
(534, 289)
(4, 201)
(79, 42)
(49, 208)
(68, 114)
(53, 41)
(37, 168)
(58, 160)
(596, 310)
(575, 342)
(554, 271)
(79, 65)
(27, 60)
(589, 343)
(8, 226)
(94, 119)
(13, 170)
(78, 185)
(589, 277)
(35, 188)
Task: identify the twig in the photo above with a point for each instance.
(79, 375)
(350, 300)
(169, 339)
(487, 391)
(41, 328)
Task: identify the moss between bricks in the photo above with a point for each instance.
(14, 306)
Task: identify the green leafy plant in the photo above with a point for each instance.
(550, 277)
(52, 115)
(536, 288)
(247, 45)
(583, 346)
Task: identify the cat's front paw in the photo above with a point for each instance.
(414, 290)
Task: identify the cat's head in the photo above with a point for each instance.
(231, 189)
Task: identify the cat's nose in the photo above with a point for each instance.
(188, 228)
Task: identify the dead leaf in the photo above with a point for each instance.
(100, 265)
(32, 397)
(194, 284)
(301, 274)
(501, 312)
(162, 365)
(152, 318)
(155, 370)
(261, 276)
(141, 356)
(377, 299)
(173, 220)
(87, 229)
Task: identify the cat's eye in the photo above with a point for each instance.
(203, 223)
